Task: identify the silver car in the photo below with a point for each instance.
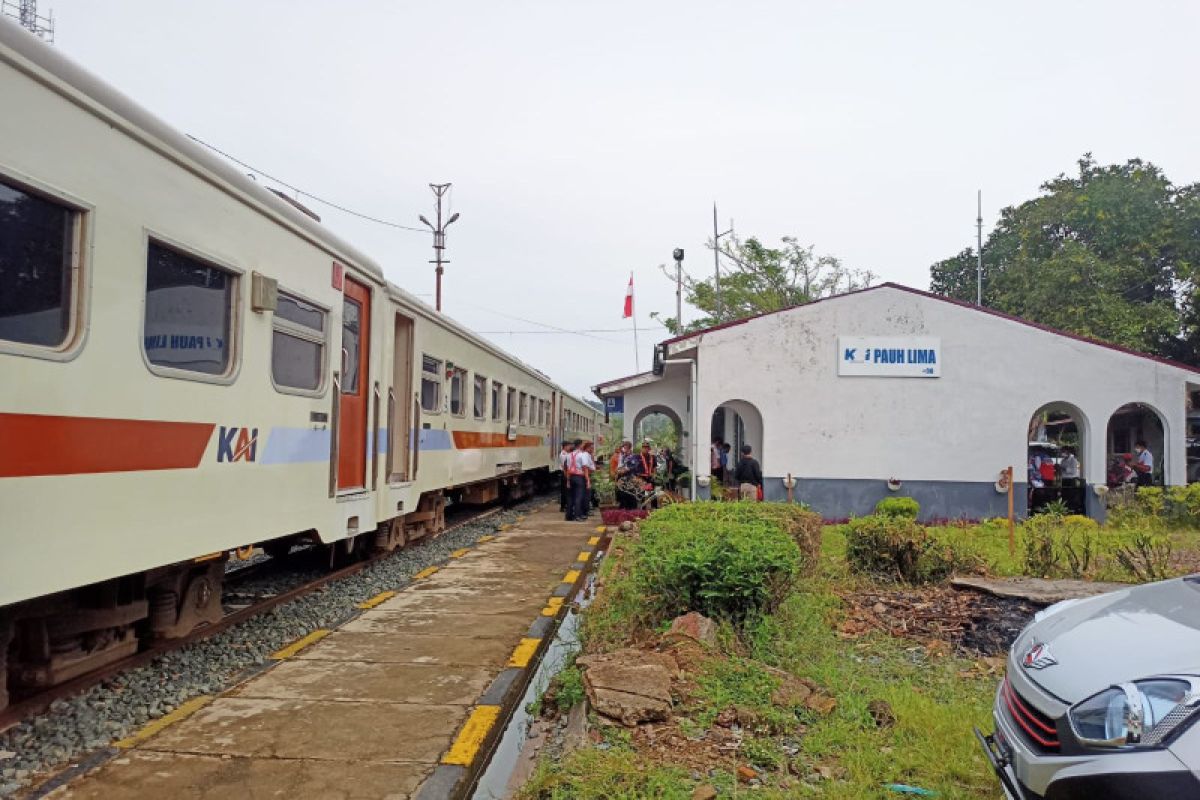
(1101, 698)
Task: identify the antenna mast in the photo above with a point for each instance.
(25, 12)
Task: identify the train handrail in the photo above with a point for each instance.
(335, 419)
(389, 463)
(375, 441)
(416, 436)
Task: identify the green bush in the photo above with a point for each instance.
(1145, 556)
(1056, 546)
(898, 507)
(728, 561)
(897, 547)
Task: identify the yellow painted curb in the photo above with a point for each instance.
(425, 573)
(487, 538)
(377, 599)
(470, 737)
(460, 552)
(151, 728)
(552, 606)
(595, 540)
(583, 557)
(571, 576)
(523, 653)
(300, 644)
(599, 529)
(505, 527)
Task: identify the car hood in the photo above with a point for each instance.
(1111, 638)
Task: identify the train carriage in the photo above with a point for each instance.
(190, 364)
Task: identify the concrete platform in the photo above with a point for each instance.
(373, 708)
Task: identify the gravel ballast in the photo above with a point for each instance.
(116, 708)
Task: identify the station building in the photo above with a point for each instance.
(894, 391)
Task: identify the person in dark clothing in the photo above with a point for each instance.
(564, 485)
(748, 475)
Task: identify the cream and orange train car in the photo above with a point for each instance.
(190, 364)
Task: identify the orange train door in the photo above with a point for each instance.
(352, 422)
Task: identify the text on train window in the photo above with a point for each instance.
(297, 344)
(480, 397)
(431, 384)
(497, 400)
(189, 312)
(37, 265)
(458, 401)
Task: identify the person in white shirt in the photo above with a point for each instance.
(1143, 464)
(1069, 467)
(581, 491)
(564, 488)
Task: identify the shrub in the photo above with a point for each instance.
(1056, 508)
(615, 516)
(1058, 546)
(898, 507)
(727, 561)
(1146, 556)
(899, 548)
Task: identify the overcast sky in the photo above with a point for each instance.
(588, 140)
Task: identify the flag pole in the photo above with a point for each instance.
(637, 361)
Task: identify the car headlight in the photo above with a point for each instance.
(1137, 714)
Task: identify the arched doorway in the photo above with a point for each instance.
(1057, 458)
(661, 425)
(738, 423)
(1130, 425)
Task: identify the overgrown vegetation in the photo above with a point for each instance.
(898, 507)
(895, 546)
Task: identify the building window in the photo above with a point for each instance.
(497, 400)
(38, 259)
(297, 344)
(189, 313)
(480, 397)
(512, 404)
(431, 384)
(458, 402)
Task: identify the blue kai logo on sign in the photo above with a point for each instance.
(244, 449)
(890, 356)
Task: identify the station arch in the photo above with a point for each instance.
(657, 410)
(1058, 433)
(1133, 422)
(739, 422)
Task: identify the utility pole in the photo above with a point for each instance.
(717, 259)
(26, 13)
(979, 248)
(678, 289)
(439, 236)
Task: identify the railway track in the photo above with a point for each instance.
(33, 705)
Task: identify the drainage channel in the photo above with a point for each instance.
(493, 782)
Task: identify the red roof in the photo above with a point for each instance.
(952, 301)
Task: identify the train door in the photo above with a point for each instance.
(352, 413)
(401, 401)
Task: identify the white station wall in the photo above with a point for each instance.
(966, 425)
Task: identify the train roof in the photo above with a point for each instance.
(28, 54)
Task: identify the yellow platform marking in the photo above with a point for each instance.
(377, 599)
(595, 540)
(471, 735)
(571, 576)
(523, 652)
(487, 538)
(505, 527)
(583, 557)
(599, 529)
(460, 552)
(300, 644)
(552, 606)
(425, 573)
(151, 728)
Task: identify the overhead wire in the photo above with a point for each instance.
(309, 195)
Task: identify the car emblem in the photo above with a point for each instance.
(1038, 657)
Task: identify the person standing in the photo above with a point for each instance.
(718, 475)
(748, 475)
(646, 462)
(1069, 468)
(581, 489)
(1143, 464)
(564, 485)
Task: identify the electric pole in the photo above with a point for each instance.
(979, 248)
(439, 236)
(717, 259)
(678, 289)
(26, 13)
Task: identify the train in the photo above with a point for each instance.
(193, 366)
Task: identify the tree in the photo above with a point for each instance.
(1112, 253)
(756, 279)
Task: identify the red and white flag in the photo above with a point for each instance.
(628, 299)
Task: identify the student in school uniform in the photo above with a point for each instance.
(564, 485)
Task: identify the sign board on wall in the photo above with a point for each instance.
(614, 405)
(890, 356)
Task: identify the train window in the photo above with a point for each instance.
(297, 344)
(497, 400)
(524, 409)
(38, 260)
(458, 402)
(480, 397)
(189, 312)
(512, 404)
(351, 344)
(431, 384)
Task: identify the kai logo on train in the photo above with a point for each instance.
(890, 356)
(237, 444)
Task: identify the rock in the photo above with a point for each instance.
(694, 625)
(631, 686)
(625, 527)
(879, 608)
(575, 731)
(881, 712)
(823, 704)
(746, 774)
(792, 692)
(1039, 591)
(705, 791)
(727, 717)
